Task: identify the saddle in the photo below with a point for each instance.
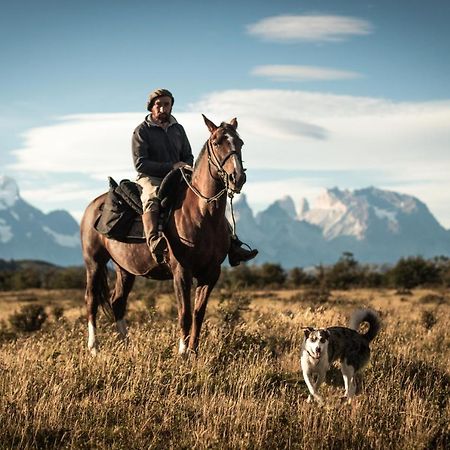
(120, 216)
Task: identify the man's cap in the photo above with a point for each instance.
(158, 93)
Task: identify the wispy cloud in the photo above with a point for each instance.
(58, 194)
(404, 144)
(78, 143)
(302, 73)
(310, 28)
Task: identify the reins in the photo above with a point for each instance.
(198, 193)
(213, 160)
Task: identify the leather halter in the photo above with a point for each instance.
(224, 176)
(214, 160)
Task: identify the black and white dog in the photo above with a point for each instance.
(321, 347)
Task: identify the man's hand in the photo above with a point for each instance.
(179, 164)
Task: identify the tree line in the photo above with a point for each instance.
(346, 273)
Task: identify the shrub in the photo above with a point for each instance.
(231, 307)
(57, 312)
(297, 277)
(345, 273)
(316, 295)
(272, 275)
(67, 278)
(6, 334)
(411, 272)
(29, 318)
(25, 279)
(433, 298)
(241, 276)
(428, 319)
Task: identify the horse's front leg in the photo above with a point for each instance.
(182, 283)
(204, 288)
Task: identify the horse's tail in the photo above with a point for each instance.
(102, 292)
(369, 316)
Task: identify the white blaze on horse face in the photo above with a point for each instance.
(91, 339)
(232, 149)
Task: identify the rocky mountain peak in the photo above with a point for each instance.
(302, 207)
(338, 213)
(9, 192)
(390, 201)
(287, 204)
(375, 225)
(28, 233)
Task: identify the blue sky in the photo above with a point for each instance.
(327, 93)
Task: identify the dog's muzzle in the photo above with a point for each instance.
(315, 355)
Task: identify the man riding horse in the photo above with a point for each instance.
(160, 144)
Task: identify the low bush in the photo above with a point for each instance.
(29, 318)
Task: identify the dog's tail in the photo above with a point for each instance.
(369, 316)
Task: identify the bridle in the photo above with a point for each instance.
(214, 161)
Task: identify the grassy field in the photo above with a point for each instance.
(244, 390)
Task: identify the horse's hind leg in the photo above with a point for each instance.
(122, 288)
(95, 294)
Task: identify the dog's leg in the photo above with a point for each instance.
(310, 383)
(312, 388)
(319, 381)
(348, 374)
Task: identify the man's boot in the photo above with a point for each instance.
(156, 242)
(237, 254)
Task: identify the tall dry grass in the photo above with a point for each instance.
(244, 390)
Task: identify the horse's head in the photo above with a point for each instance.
(224, 154)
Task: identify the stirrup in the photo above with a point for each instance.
(235, 257)
(239, 243)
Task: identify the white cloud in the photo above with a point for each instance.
(60, 193)
(302, 73)
(318, 28)
(404, 143)
(80, 143)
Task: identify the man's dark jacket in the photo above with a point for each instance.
(156, 150)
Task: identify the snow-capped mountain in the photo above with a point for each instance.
(346, 213)
(376, 225)
(27, 233)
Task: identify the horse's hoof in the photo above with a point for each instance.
(346, 400)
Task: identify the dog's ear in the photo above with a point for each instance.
(307, 331)
(326, 334)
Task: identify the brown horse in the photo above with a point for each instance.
(198, 236)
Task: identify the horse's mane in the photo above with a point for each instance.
(200, 155)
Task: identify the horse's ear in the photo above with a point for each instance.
(209, 124)
(234, 123)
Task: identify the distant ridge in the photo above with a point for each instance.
(28, 233)
(376, 225)
(17, 264)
